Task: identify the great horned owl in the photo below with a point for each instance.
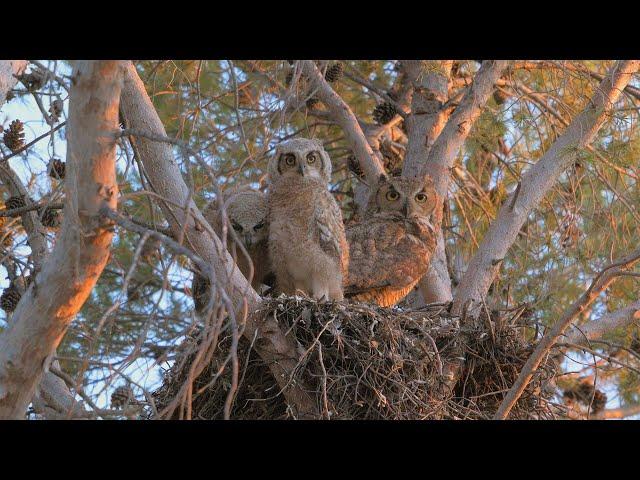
(247, 213)
(390, 250)
(307, 242)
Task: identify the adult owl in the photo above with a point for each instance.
(390, 250)
(247, 213)
(307, 242)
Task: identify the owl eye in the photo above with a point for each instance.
(392, 195)
(290, 159)
(237, 227)
(311, 158)
(258, 226)
(421, 197)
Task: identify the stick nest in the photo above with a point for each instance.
(359, 361)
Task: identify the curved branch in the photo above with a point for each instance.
(433, 144)
(82, 247)
(536, 182)
(445, 149)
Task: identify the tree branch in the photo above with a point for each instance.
(596, 329)
(536, 182)
(343, 116)
(433, 144)
(10, 70)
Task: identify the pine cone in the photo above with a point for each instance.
(392, 157)
(58, 169)
(354, 166)
(35, 80)
(288, 78)
(334, 72)
(122, 396)
(14, 136)
(15, 202)
(50, 218)
(500, 97)
(199, 290)
(312, 102)
(134, 290)
(584, 392)
(10, 298)
(6, 234)
(151, 249)
(55, 109)
(384, 113)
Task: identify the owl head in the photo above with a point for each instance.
(399, 197)
(247, 212)
(300, 158)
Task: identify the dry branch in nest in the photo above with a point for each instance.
(367, 362)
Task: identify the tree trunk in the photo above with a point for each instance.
(82, 246)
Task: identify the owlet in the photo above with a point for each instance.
(307, 242)
(247, 213)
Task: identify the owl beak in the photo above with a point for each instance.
(301, 169)
(405, 208)
(247, 240)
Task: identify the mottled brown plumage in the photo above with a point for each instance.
(390, 250)
(307, 242)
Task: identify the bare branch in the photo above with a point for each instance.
(445, 149)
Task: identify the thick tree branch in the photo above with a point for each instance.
(424, 125)
(599, 284)
(279, 352)
(433, 144)
(343, 116)
(446, 147)
(82, 248)
(52, 398)
(536, 182)
(596, 329)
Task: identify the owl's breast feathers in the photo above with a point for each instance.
(305, 205)
(387, 258)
